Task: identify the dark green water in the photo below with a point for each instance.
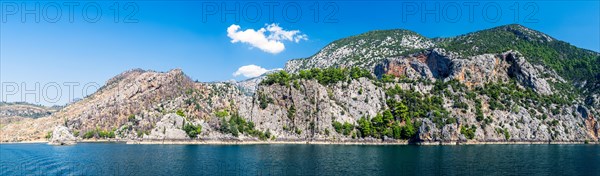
(122, 159)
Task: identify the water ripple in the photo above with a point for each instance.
(121, 159)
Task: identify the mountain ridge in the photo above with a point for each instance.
(368, 88)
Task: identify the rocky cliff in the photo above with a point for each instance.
(506, 84)
(62, 136)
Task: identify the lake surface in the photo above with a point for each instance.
(122, 159)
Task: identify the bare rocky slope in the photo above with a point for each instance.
(381, 86)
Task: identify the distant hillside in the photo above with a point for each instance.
(27, 110)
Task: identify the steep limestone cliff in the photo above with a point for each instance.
(381, 86)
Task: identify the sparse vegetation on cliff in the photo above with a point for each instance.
(192, 130)
(323, 76)
(237, 125)
(98, 133)
(469, 132)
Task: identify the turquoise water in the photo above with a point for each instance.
(122, 159)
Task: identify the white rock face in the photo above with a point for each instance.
(472, 71)
(316, 107)
(169, 127)
(362, 50)
(526, 73)
(62, 136)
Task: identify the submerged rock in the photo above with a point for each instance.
(62, 136)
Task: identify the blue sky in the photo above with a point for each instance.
(192, 35)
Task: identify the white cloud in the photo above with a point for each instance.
(250, 71)
(277, 33)
(271, 43)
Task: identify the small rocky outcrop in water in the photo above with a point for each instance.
(62, 136)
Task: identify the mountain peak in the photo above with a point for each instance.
(378, 35)
(176, 71)
(519, 32)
